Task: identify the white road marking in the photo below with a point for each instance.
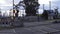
(14, 31)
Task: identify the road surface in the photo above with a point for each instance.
(34, 28)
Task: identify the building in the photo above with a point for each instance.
(49, 14)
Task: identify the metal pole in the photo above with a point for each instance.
(38, 16)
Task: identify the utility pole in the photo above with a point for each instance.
(49, 15)
(13, 9)
(13, 4)
(49, 5)
(0, 12)
(43, 7)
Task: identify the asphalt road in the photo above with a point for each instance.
(34, 28)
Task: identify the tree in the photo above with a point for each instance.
(31, 7)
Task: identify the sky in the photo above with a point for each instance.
(7, 4)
